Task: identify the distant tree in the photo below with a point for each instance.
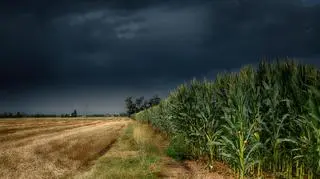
(4, 115)
(139, 104)
(123, 114)
(130, 106)
(18, 115)
(74, 114)
(155, 100)
(146, 104)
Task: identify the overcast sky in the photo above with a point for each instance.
(56, 56)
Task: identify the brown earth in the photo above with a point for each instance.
(194, 170)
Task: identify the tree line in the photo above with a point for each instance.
(23, 115)
(135, 105)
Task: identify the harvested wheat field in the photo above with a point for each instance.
(51, 148)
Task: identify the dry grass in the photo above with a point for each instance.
(60, 153)
(36, 131)
(91, 149)
(139, 153)
(135, 155)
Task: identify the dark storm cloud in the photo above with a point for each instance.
(272, 28)
(110, 45)
(142, 46)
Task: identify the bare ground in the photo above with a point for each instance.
(194, 170)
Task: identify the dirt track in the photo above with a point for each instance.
(53, 148)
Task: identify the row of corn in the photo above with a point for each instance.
(261, 120)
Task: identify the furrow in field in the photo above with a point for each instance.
(23, 122)
(59, 155)
(40, 123)
(25, 137)
(4, 130)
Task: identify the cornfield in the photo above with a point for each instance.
(260, 120)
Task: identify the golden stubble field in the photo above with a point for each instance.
(54, 148)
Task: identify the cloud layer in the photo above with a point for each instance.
(143, 46)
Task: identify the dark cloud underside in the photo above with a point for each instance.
(103, 51)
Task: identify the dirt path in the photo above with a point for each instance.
(140, 152)
(193, 170)
(56, 152)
